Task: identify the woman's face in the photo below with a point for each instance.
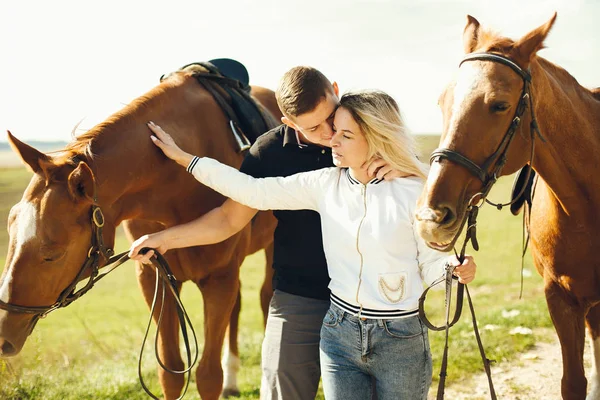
(349, 146)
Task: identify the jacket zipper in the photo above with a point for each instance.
(364, 192)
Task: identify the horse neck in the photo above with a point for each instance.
(569, 119)
(120, 158)
(129, 169)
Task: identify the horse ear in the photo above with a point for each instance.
(526, 48)
(82, 184)
(35, 159)
(471, 35)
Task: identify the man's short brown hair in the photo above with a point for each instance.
(301, 89)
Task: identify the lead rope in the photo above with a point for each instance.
(167, 279)
(163, 271)
(471, 236)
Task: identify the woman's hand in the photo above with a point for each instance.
(380, 169)
(168, 146)
(154, 241)
(466, 271)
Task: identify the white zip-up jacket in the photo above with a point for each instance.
(376, 260)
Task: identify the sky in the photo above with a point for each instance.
(65, 62)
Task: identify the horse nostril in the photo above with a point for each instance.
(6, 348)
(439, 215)
(448, 216)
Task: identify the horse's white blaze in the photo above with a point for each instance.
(26, 229)
(231, 366)
(594, 381)
(467, 81)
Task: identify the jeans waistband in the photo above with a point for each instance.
(368, 312)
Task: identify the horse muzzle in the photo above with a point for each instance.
(14, 330)
(438, 226)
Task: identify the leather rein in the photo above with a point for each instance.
(488, 174)
(99, 256)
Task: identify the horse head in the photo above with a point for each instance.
(487, 129)
(49, 241)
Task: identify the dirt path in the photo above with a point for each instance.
(536, 375)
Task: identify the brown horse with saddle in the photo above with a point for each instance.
(63, 229)
(507, 108)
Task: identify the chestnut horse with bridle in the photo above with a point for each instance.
(115, 168)
(508, 107)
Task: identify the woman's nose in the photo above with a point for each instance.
(334, 140)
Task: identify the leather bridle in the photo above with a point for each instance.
(99, 256)
(489, 172)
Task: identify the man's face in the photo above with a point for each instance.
(316, 126)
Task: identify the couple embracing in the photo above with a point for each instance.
(342, 177)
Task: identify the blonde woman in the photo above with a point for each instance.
(377, 263)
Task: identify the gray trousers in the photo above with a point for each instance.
(290, 350)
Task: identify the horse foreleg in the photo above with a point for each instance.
(593, 324)
(168, 333)
(568, 319)
(231, 356)
(219, 291)
(266, 290)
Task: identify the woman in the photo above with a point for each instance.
(376, 260)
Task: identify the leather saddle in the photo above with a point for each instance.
(228, 82)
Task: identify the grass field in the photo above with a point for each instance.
(90, 349)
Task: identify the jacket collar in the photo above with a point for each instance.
(354, 181)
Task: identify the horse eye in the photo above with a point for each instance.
(499, 107)
(51, 257)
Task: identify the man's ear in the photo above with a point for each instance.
(336, 89)
(288, 122)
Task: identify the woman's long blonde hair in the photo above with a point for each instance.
(379, 118)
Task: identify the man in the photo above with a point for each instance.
(290, 352)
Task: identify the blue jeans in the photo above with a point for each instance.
(392, 354)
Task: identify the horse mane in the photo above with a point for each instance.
(491, 42)
(81, 146)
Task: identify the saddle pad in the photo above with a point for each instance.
(519, 182)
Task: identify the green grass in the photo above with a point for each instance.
(90, 349)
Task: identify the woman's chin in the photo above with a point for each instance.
(339, 163)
